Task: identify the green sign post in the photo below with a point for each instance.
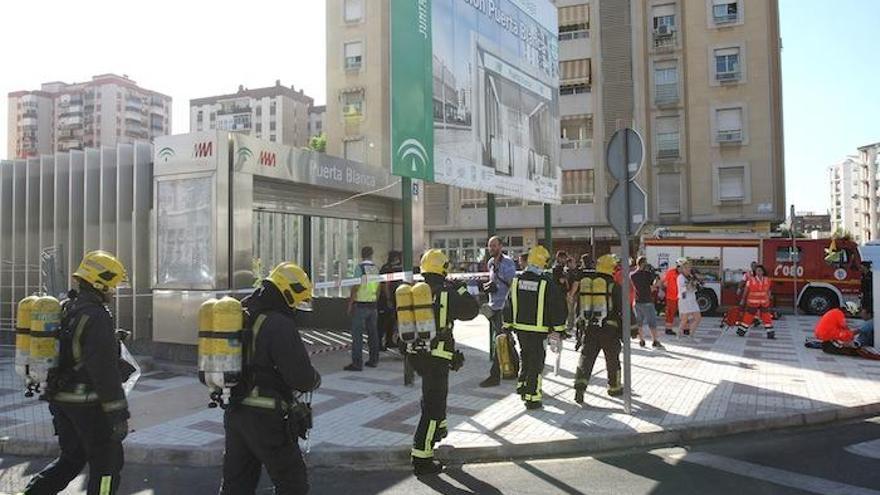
(412, 105)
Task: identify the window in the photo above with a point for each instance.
(259, 110)
(272, 137)
(573, 31)
(725, 11)
(578, 186)
(573, 89)
(669, 194)
(472, 198)
(729, 122)
(666, 83)
(259, 127)
(574, 22)
(353, 10)
(353, 55)
(200, 117)
(272, 126)
(731, 184)
(353, 104)
(272, 108)
(784, 254)
(727, 66)
(667, 138)
(354, 150)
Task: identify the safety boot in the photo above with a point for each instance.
(533, 404)
(615, 388)
(426, 467)
(579, 396)
(771, 334)
(741, 332)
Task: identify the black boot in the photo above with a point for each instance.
(579, 396)
(771, 334)
(426, 467)
(492, 381)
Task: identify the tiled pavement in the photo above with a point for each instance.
(715, 377)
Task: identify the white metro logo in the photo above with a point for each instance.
(413, 149)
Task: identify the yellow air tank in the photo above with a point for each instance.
(406, 323)
(206, 343)
(45, 322)
(423, 308)
(23, 337)
(228, 326)
(502, 354)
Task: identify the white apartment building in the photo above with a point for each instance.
(105, 111)
(275, 113)
(316, 120)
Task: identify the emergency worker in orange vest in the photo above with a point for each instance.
(757, 302)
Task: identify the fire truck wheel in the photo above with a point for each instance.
(819, 301)
(707, 301)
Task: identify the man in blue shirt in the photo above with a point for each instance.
(502, 269)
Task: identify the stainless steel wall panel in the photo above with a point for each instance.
(124, 188)
(107, 215)
(7, 308)
(141, 247)
(242, 231)
(47, 212)
(61, 234)
(92, 201)
(19, 230)
(76, 210)
(32, 227)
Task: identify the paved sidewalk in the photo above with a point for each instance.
(713, 384)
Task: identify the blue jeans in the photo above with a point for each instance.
(865, 338)
(364, 318)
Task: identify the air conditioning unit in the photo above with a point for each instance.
(664, 30)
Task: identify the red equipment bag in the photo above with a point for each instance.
(732, 317)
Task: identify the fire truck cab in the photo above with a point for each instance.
(815, 274)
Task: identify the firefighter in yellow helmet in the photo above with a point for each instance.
(86, 399)
(535, 307)
(451, 301)
(599, 325)
(267, 413)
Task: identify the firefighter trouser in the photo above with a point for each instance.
(495, 323)
(255, 438)
(534, 352)
(671, 311)
(752, 312)
(606, 339)
(435, 387)
(84, 438)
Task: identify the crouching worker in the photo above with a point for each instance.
(426, 312)
(265, 417)
(835, 335)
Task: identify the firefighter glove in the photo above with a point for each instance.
(457, 361)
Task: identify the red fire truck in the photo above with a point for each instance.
(825, 273)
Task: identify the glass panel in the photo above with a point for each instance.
(185, 233)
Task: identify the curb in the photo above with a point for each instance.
(398, 457)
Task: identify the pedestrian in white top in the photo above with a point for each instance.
(688, 308)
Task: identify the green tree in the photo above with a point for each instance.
(318, 143)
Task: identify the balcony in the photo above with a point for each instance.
(665, 38)
(575, 48)
(721, 19)
(68, 122)
(29, 122)
(727, 77)
(730, 137)
(576, 154)
(576, 104)
(234, 109)
(29, 114)
(665, 94)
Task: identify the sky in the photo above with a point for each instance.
(196, 48)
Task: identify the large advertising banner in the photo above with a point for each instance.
(496, 97)
(412, 139)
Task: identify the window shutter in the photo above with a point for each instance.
(667, 125)
(669, 192)
(664, 10)
(730, 183)
(574, 15)
(353, 49)
(575, 71)
(730, 119)
(727, 51)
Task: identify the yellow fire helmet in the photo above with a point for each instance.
(294, 284)
(101, 270)
(538, 256)
(434, 261)
(607, 264)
